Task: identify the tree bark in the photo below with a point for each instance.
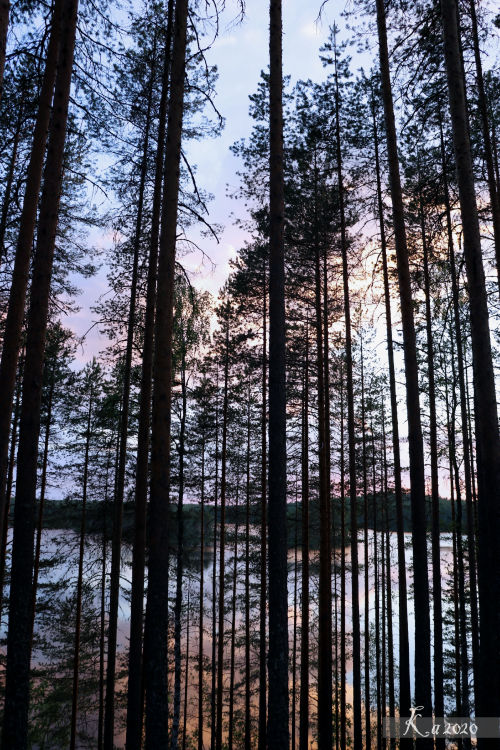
(15, 727)
(135, 691)
(19, 284)
(415, 441)
(155, 661)
(79, 589)
(114, 585)
(487, 435)
(277, 725)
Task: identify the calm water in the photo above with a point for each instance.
(55, 622)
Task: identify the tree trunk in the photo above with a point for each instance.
(155, 662)
(15, 728)
(4, 25)
(415, 441)
(10, 176)
(109, 714)
(263, 535)
(174, 736)
(277, 725)
(437, 608)
(404, 646)
(356, 635)
(17, 295)
(248, 727)
(79, 589)
(201, 602)
(222, 545)
(487, 436)
(304, 620)
(41, 503)
(135, 691)
(488, 153)
(468, 469)
(10, 481)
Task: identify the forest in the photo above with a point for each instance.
(249, 490)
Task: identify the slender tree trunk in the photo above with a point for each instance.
(10, 174)
(135, 692)
(277, 725)
(487, 435)
(201, 602)
(19, 284)
(4, 24)
(356, 635)
(325, 578)
(404, 647)
(294, 645)
(415, 442)
(79, 587)
(41, 503)
(186, 679)
(15, 728)
(248, 727)
(343, 645)
(122, 461)
(214, 578)
(435, 535)
(156, 662)
(263, 534)
(487, 149)
(366, 562)
(10, 481)
(304, 620)
(222, 545)
(102, 624)
(468, 470)
(233, 634)
(174, 735)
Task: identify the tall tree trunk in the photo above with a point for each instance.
(263, 534)
(233, 633)
(4, 25)
(248, 727)
(356, 635)
(435, 535)
(109, 713)
(325, 577)
(468, 470)
(186, 679)
(304, 620)
(214, 577)
(277, 725)
(102, 618)
(41, 503)
(487, 149)
(15, 728)
(415, 442)
(343, 645)
(19, 284)
(10, 175)
(222, 545)
(404, 646)
(135, 691)
(10, 480)
(174, 735)
(487, 435)
(155, 662)
(201, 602)
(79, 587)
(366, 560)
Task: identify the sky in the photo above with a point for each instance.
(240, 53)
